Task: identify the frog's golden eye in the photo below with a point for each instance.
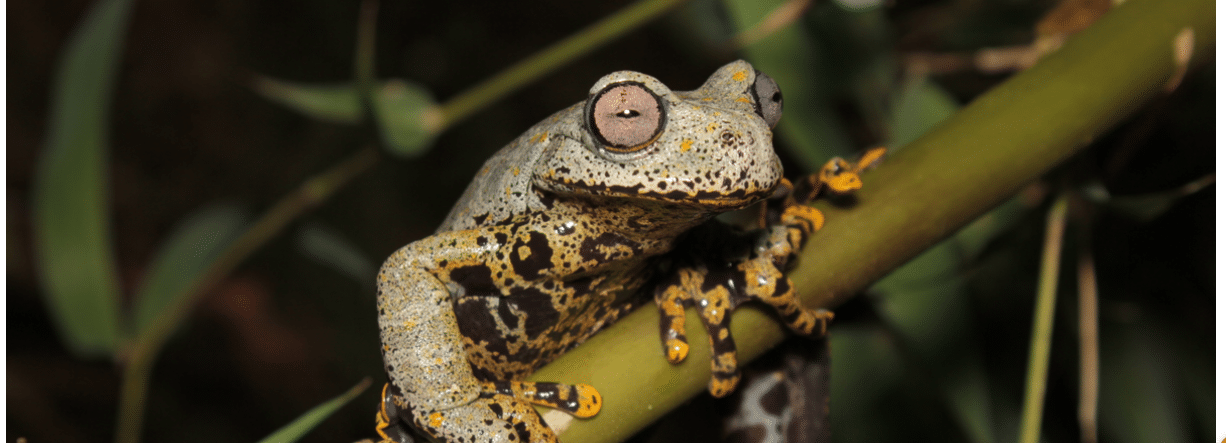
(625, 117)
(767, 98)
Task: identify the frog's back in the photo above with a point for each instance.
(503, 187)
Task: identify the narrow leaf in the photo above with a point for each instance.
(184, 257)
(338, 103)
(299, 427)
(327, 246)
(407, 117)
(72, 231)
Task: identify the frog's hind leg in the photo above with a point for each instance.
(435, 389)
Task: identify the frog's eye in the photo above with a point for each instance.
(767, 98)
(625, 117)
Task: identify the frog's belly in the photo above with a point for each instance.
(508, 337)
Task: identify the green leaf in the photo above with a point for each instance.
(918, 107)
(1147, 207)
(72, 231)
(308, 421)
(407, 117)
(327, 246)
(338, 103)
(184, 257)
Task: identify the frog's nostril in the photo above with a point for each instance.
(727, 138)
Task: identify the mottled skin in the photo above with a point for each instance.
(580, 219)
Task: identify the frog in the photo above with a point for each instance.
(596, 210)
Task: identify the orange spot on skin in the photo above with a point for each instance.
(743, 100)
(686, 145)
(436, 419)
(740, 76)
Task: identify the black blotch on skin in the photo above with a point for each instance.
(539, 307)
(476, 322)
(476, 280)
(530, 267)
(507, 315)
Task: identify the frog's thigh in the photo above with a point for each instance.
(422, 347)
(425, 358)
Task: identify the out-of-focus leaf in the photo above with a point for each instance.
(866, 371)
(304, 423)
(337, 103)
(918, 107)
(407, 117)
(1146, 207)
(928, 304)
(184, 256)
(1140, 399)
(809, 125)
(71, 221)
(330, 248)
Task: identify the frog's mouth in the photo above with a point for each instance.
(707, 200)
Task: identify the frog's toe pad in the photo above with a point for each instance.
(722, 384)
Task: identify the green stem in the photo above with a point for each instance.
(548, 59)
(364, 52)
(143, 354)
(1044, 313)
(925, 192)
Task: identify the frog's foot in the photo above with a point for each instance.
(579, 400)
(840, 176)
(764, 281)
(699, 287)
(492, 416)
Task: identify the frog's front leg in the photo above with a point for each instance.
(719, 269)
(432, 383)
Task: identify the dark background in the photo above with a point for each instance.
(285, 332)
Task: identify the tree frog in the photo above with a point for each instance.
(588, 214)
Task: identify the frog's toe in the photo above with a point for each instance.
(581, 400)
(671, 299)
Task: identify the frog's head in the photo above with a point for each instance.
(634, 137)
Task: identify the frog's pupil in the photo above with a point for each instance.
(628, 113)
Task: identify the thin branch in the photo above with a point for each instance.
(1044, 317)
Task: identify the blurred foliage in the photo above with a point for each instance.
(936, 351)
